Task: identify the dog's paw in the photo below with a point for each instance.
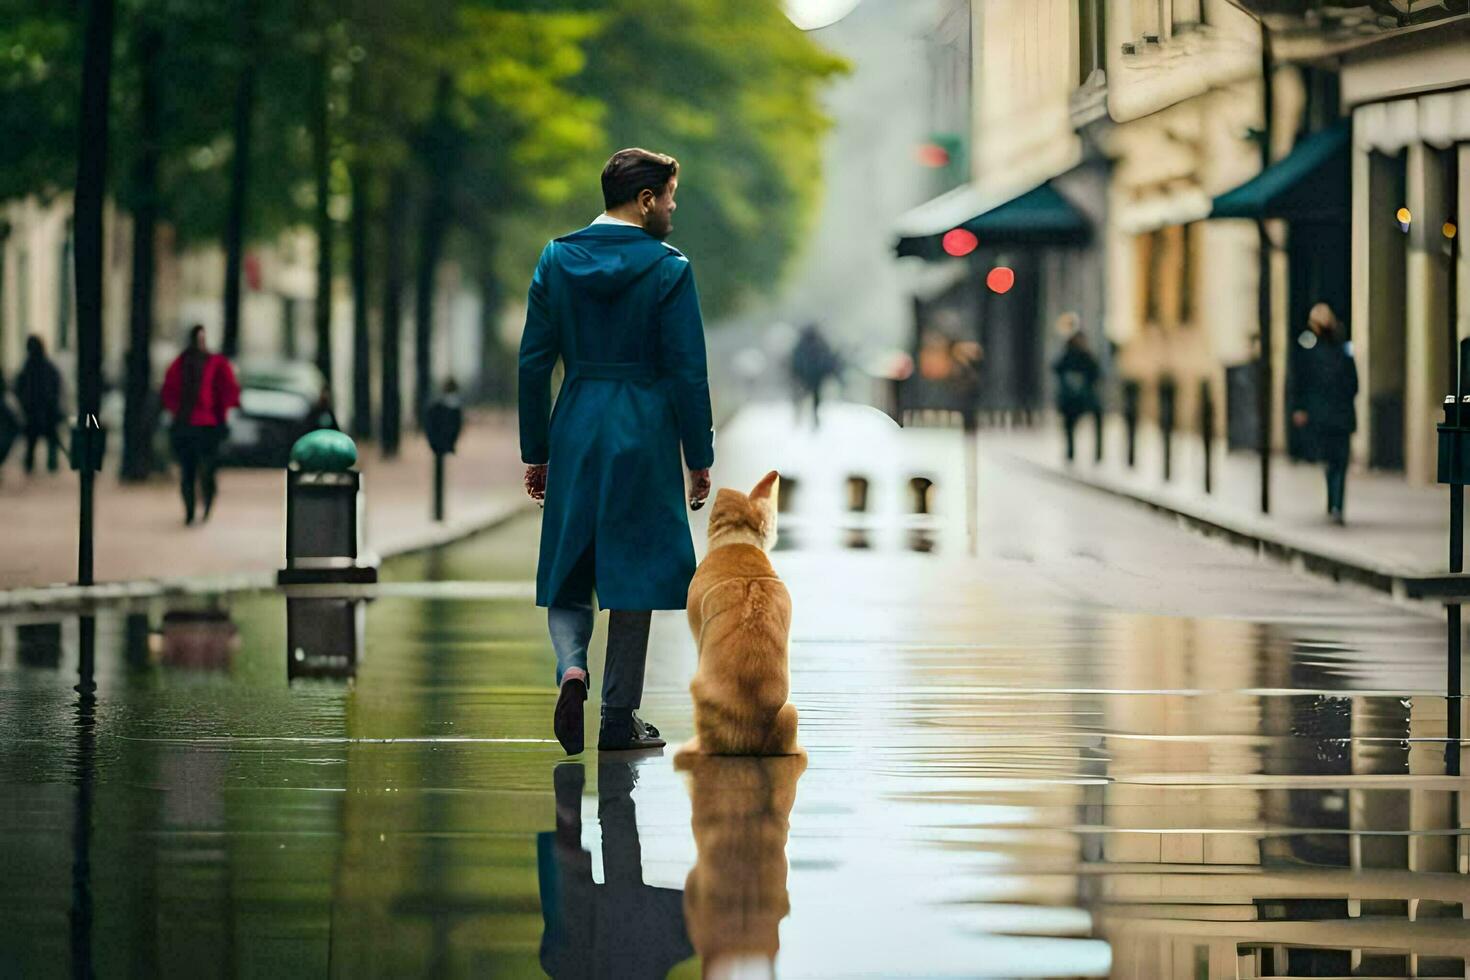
(686, 755)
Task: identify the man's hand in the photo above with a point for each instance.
(1298, 419)
(698, 488)
(536, 481)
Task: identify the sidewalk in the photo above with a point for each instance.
(141, 539)
(1397, 535)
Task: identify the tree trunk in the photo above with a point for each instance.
(492, 354)
(362, 347)
(437, 160)
(322, 163)
(431, 248)
(397, 222)
(239, 183)
(138, 415)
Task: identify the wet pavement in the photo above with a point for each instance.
(1098, 746)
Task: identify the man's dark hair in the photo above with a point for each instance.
(629, 171)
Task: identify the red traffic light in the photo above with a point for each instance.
(959, 242)
(931, 155)
(1000, 279)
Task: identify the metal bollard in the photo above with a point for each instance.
(324, 513)
(443, 420)
(1454, 470)
(1207, 431)
(1130, 419)
(1166, 423)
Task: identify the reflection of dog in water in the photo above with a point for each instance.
(740, 615)
(735, 897)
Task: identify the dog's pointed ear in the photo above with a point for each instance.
(768, 487)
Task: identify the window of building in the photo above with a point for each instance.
(1092, 45)
(1146, 20)
(1162, 19)
(1166, 268)
(1187, 271)
(1184, 14)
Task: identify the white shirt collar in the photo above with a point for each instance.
(607, 219)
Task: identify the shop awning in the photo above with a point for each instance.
(1311, 183)
(1038, 216)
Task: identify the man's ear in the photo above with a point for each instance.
(768, 487)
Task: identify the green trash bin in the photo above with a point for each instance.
(324, 513)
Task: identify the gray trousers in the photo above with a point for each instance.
(627, 649)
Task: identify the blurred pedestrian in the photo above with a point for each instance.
(1078, 373)
(199, 389)
(813, 361)
(9, 424)
(1324, 389)
(618, 307)
(323, 416)
(38, 389)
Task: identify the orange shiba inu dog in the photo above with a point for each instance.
(740, 615)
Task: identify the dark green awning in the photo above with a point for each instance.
(1040, 216)
(1311, 183)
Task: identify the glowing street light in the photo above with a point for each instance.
(811, 15)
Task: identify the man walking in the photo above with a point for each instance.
(618, 307)
(1322, 400)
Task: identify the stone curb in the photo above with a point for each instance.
(51, 596)
(1397, 582)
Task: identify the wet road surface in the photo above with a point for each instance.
(1100, 746)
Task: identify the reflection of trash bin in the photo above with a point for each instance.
(197, 639)
(323, 637)
(324, 513)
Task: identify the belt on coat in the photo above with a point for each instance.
(612, 371)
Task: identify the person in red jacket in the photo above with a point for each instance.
(199, 390)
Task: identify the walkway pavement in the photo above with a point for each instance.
(1396, 538)
(141, 538)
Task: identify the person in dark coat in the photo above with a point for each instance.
(38, 390)
(617, 306)
(322, 415)
(1077, 374)
(1323, 398)
(813, 361)
(9, 424)
(199, 389)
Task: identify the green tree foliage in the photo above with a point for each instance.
(40, 85)
(732, 89)
(502, 111)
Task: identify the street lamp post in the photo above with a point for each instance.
(90, 187)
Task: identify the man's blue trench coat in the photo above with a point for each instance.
(618, 307)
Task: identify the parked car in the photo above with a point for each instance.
(279, 403)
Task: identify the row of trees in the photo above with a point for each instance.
(417, 131)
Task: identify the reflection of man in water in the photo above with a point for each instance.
(623, 927)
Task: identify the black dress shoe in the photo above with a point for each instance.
(625, 731)
(567, 722)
